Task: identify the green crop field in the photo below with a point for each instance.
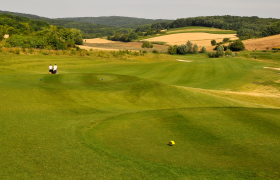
(112, 118)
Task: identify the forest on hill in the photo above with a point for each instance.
(246, 27)
(30, 33)
(127, 28)
(89, 30)
(93, 27)
(116, 21)
(30, 16)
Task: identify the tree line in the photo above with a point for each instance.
(246, 27)
(28, 33)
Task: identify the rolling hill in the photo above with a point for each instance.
(116, 21)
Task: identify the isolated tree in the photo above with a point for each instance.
(203, 49)
(190, 46)
(195, 48)
(220, 51)
(236, 46)
(213, 42)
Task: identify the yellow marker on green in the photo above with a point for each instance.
(171, 143)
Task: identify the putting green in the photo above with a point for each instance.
(205, 137)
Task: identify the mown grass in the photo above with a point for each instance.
(104, 117)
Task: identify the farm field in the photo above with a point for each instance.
(202, 36)
(201, 39)
(262, 43)
(112, 118)
(102, 44)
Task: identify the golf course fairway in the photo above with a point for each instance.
(112, 118)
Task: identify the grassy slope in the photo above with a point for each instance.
(75, 125)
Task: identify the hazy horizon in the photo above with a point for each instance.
(145, 9)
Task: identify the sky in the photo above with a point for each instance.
(150, 9)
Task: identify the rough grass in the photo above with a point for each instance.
(74, 125)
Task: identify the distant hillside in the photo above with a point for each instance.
(30, 33)
(30, 16)
(117, 21)
(89, 30)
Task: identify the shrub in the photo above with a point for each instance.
(73, 51)
(203, 49)
(144, 52)
(226, 40)
(228, 52)
(155, 51)
(78, 48)
(147, 44)
(195, 48)
(7, 45)
(220, 51)
(190, 46)
(172, 49)
(256, 56)
(213, 42)
(182, 49)
(136, 53)
(211, 54)
(247, 55)
(1, 35)
(45, 52)
(225, 47)
(236, 46)
(17, 51)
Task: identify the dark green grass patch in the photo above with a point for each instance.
(237, 139)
